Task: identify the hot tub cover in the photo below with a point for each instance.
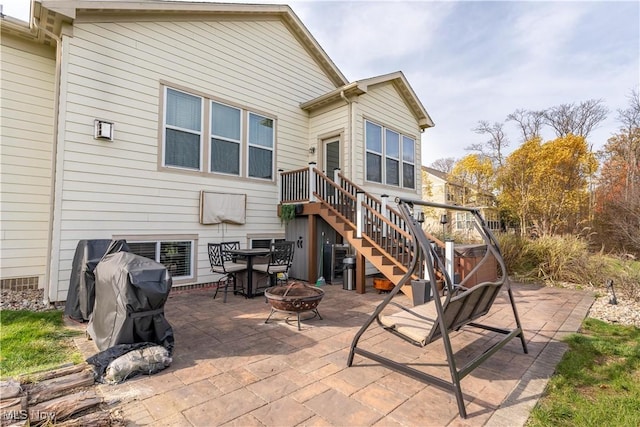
(131, 291)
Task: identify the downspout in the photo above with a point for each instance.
(54, 150)
(350, 135)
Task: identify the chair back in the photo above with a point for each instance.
(216, 258)
(229, 246)
(282, 254)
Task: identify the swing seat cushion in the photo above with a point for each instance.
(415, 323)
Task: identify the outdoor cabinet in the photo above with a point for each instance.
(297, 230)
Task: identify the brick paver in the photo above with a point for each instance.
(232, 369)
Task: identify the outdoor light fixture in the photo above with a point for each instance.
(612, 298)
(443, 220)
(312, 150)
(103, 130)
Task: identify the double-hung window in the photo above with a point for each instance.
(226, 130)
(408, 162)
(182, 130)
(241, 142)
(390, 156)
(260, 146)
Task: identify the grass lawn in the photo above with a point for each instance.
(34, 341)
(597, 383)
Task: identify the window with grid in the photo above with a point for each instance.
(464, 221)
(176, 256)
(390, 156)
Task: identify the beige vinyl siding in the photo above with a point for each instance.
(383, 105)
(26, 135)
(115, 71)
(328, 123)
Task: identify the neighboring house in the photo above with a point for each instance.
(442, 190)
(132, 119)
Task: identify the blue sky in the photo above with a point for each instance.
(476, 60)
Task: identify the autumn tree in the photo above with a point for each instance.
(546, 184)
(473, 172)
(517, 180)
(618, 192)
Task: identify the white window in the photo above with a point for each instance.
(261, 135)
(226, 130)
(464, 221)
(374, 151)
(176, 256)
(408, 162)
(241, 142)
(390, 156)
(182, 130)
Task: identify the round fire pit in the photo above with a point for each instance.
(295, 298)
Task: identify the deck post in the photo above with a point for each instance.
(359, 214)
(449, 255)
(280, 185)
(383, 208)
(312, 182)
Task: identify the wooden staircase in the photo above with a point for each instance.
(376, 231)
(365, 246)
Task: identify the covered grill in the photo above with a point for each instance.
(131, 291)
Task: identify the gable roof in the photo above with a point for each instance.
(435, 172)
(49, 15)
(362, 86)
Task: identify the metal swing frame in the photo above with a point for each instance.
(451, 308)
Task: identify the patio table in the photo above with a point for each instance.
(249, 255)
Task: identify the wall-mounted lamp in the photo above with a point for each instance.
(103, 130)
(312, 150)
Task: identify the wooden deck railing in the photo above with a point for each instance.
(370, 217)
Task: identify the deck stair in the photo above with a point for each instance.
(373, 228)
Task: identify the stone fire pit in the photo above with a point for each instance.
(294, 298)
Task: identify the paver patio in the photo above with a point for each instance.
(230, 368)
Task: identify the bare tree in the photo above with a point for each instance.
(494, 147)
(444, 165)
(574, 119)
(529, 122)
(630, 117)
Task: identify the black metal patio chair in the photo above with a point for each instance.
(220, 265)
(280, 259)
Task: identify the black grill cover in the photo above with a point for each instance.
(81, 295)
(131, 291)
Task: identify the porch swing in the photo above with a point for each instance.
(451, 307)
